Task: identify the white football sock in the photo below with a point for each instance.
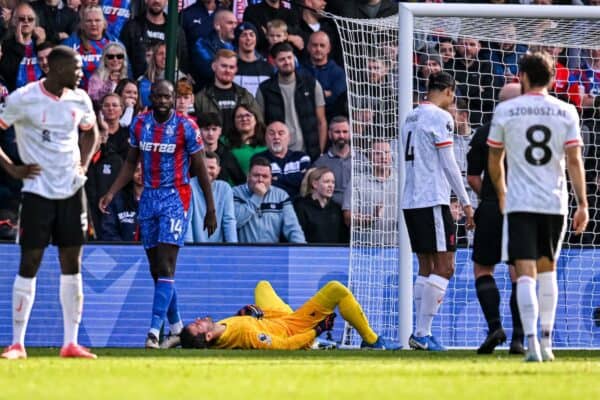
(71, 300)
(418, 293)
(176, 328)
(433, 295)
(528, 304)
(548, 299)
(22, 301)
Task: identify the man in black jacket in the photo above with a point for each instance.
(297, 100)
(58, 20)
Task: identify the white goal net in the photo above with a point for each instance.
(482, 54)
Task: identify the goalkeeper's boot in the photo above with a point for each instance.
(533, 353)
(152, 342)
(14, 352)
(73, 350)
(323, 344)
(546, 350)
(381, 344)
(492, 340)
(170, 341)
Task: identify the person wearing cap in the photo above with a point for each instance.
(252, 67)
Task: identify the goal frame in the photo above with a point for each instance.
(406, 14)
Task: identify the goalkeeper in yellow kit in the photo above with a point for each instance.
(271, 323)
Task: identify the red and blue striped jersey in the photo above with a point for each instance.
(29, 70)
(90, 54)
(165, 148)
(116, 12)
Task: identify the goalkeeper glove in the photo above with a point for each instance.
(326, 324)
(251, 310)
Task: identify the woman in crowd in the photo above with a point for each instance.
(112, 68)
(90, 40)
(320, 218)
(155, 71)
(128, 90)
(247, 137)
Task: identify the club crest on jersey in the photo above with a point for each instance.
(169, 131)
(449, 126)
(264, 338)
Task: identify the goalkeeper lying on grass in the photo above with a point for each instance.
(271, 323)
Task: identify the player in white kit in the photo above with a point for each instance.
(431, 170)
(56, 132)
(536, 131)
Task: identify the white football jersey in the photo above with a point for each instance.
(535, 129)
(46, 129)
(426, 129)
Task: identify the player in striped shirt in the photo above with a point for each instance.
(535, 132)
(169, 146)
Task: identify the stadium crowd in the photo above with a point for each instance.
(267, 89)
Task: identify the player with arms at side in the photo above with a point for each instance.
(431, 171)
(166, 142)
(487, 244)
(535, 131)
(56, 133)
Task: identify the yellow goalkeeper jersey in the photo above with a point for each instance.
(268, 333)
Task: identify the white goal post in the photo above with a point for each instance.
(361, 38)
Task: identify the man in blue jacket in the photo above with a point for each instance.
(264, 213)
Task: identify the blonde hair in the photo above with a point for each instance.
(277, 24)
(305, 187)
(102, 70)
(153, 72)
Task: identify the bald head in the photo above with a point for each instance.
(509, 91)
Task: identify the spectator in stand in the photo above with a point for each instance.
(223, 196)
(311, 20)
(197, 20)
(297, 100)
(505, 56)
(128, 91)
(264, 213)
(339, 156)
(446, 49)
(561, 87)
(260, 14)
(184, 99)
(116, 13)
(205, 48)
(108, 160)
(287, 167)
(112, 68)
(141, 33)
(375, 221)
(379, 94)
(584, 82)
(475, 80)
(89, 41)
(154, 73)
(19, 64)
(427, 64)
(223, 95)
(247, 138)
(120, 223)
(43, 50)
(463, 133)
(58, 21)
(330, 75)
(321, 218)
(362, 8)
(252, 67)
(210, 129)
(277, 32)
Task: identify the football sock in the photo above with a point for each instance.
(548, 299)
(517, 333)
(173, 315)
(433, 295)
(22, 301)
(489, 299)
(266, 298)
(334, 293)
(418, 292)
(71, 300)
(163, 292)
(528, 304)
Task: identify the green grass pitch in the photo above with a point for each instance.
(279, 375)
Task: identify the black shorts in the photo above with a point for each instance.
(62, 221)
(431, 229)
(487, 243)
(531, 236)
